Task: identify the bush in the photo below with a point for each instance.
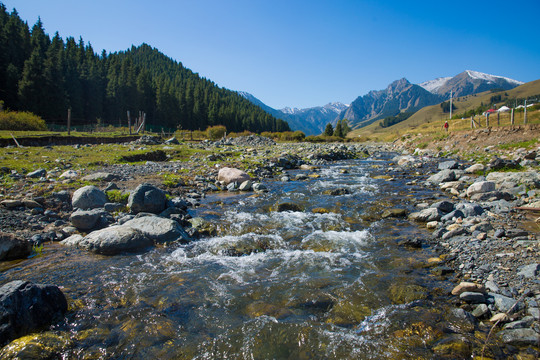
(292, 136)
(21, 121)
(216, 132)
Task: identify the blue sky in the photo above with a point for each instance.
(308, 53)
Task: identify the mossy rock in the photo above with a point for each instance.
(203, 227)
(320, 210)
(403, 294)
(259, 308)
(418, 334)
(394, 213)
(456, 347)
(47, 345)
(287, 206)
(348, 313)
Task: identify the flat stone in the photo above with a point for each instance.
(475, 168)
(37, 174)
(114, 240)
(505, 303)
(11, 204)
(519, 337)
(450, 164)
(467, 287)
(530, 271)
(442, 176)
(86, 219)
(472, 297)
(426, 215)
(100, 176)
(480, 187)
(394, 213)
(159, 229)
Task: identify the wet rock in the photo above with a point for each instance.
(526, 322)
(114, 240)
(450, 164)
(228, 175)
(72, 240)
(260, 308)
(287, 206)
(348, 312)
(147, 198)
(13, 247)
(337, 192)
(395, 213)
(406, 293)
(505, 303)
(158, 229)
(246, 186)
(27, 307)
(480, 311)
(259, 188)
(519, 337)
(47, 345)
(203, 227)
(88, 197)
(415, 243)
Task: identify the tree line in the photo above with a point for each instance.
(47, 76)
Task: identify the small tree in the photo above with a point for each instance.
(338, 131)
(329, 130)
(216, 132)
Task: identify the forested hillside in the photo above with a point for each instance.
(49, 75)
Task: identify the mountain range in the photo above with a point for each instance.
(400, 96)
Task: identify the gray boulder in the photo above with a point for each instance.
(88, 197)
(469, 209)
(27, 307)
(158, 229)
(13, 247)
(147, 198)
(530, 271)
(519, 337)
(114, 240)
(37, 174)
(505, 303)
(442, 176)
(100, 176)
(86, 219)
(426, 215)
(228, 175)
(450, 164)
(480, 187)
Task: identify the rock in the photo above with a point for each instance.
(444, 206)
(27, 307)
(47, 345)
(456, 214)
(171, 141)
(31, 204)
(11, 204)
(472, 297)
(500, 317)
(69, 174)
(147, 198)
(405, 293)
(86, 219)
(505, 303)
(159, 229)
(454, 232)
(411, 242)
(526, 322)
(287, 206)
(229, 175)
(480, 311)
(530, 178)
(395, 213)
(100, 176)
(113, 207)
(337, 192)
(88, 197)
(475, 168)
(467, 287)
(246, 185)
(114, 240)
(73, 240)
(259, 188)
(426, 215)
(442, 176)
(469, 209)
(499, 163)
(37, 174)
(519, 337)
(480, 187)
(448, 165)
(13, 247)
(530, 271)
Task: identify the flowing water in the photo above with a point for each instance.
(327, 282)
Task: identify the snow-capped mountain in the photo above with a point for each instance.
(467, 83)
(311, 121)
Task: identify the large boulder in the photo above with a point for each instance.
(27, 307)
(229, 175)
(158, 229)
(147, 198)
(442, 176)
(13, 247)
(114, 240)
(427, 215)
(88, 197)
(480, 187)
(87, 219)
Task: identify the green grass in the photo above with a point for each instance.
(519, 144)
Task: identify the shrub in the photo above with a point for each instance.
(292, 136)
(21, 121)
(216, 132)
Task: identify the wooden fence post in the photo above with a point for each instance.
(69, 122)
(512, 117)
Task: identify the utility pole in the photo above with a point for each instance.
(450, 104)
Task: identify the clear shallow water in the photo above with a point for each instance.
(270, 285)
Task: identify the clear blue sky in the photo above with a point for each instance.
(308, 53)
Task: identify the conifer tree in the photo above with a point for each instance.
(329, 130)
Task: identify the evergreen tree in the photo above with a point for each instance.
(338, 131)
(329, 130)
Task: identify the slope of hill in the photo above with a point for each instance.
(47, 76)
(430, 118)
(399, 96)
